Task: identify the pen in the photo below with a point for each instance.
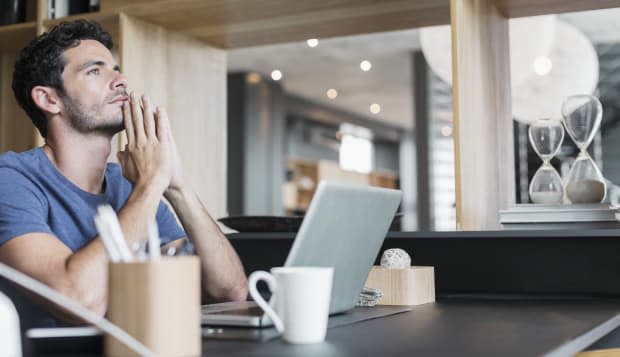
(153, 241)
(110, 222)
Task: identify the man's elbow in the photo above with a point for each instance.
(238, 293)
(99, 307)
(96, 302)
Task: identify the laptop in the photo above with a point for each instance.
(343, 228)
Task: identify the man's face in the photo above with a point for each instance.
(95, 90)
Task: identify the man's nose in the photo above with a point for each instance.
(120, 81)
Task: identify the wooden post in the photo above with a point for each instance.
(187, 77)
(484, 152)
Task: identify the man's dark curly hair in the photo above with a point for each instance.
(41, 63)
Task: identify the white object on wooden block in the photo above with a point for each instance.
(410, 286)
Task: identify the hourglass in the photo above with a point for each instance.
(546, 136)
(582, 118)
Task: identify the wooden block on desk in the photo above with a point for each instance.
(412, 286)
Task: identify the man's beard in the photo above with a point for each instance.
(86, 121)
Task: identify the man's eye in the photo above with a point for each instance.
(93, 71)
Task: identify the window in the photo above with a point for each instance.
(356, 148)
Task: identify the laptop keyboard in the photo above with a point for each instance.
(249, 311)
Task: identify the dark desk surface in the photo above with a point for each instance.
(450, 327)
(456, 327)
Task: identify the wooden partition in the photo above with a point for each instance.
(188, 78)
(484, 150)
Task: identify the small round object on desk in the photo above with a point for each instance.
(395, 258)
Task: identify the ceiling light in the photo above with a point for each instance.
(252, 78)
(542, 96)
(446, 130)
(276, 75)
(365, 65)
(530, 37)
(332, 93)
(375, 108)
(313, 42)
(542, 65)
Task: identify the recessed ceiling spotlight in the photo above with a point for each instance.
(375, 108)
(365, 65)
(276, 75)
(542, 65)
(252, 78)
(313, 42)
(332, 93)
(446, 130)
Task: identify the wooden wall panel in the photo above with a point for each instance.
(484, 151)
(15, 127)
(189, 78)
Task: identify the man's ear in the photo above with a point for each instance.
(46, 99)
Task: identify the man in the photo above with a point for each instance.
(70, 86)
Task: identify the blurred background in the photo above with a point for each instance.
(376, 109)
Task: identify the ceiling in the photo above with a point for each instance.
(335, 63)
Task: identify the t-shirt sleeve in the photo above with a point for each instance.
(22, 207)
(169, 228)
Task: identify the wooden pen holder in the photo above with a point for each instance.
(410, 286)
(158, 303)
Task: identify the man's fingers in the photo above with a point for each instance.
(149, 120)
(138, 121)
(167, 124)
(163, 129)
(122, 159)
(129, 131)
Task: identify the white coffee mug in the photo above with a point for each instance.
(302, 296)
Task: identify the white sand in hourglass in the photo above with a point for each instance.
(546, 198)
(585, 191)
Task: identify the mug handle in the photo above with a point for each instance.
(254, 278)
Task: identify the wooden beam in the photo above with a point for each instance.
(241, 23)
(520, 8)
(484, 151)
(235, 23)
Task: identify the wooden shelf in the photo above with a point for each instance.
(102, 17)
(109, 20)
(14, 37)
(306, 175)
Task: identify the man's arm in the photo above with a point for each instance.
(83, 275)
(223, 277)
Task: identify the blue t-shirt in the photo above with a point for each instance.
(36, 197)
